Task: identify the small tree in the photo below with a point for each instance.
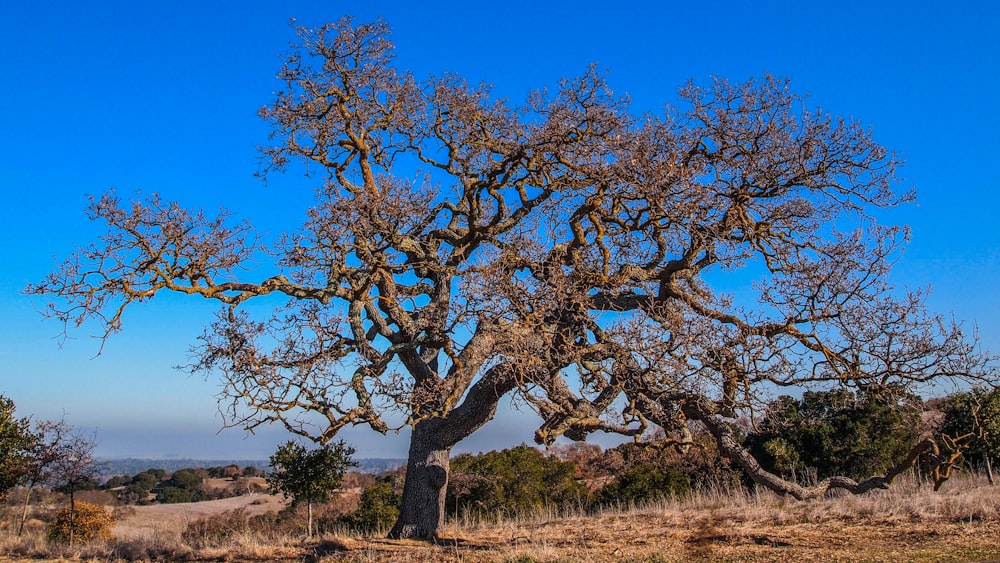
(309, 475)
(16, 444)
(51, 440)
(73, 469)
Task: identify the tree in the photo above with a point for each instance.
(837, 432)
(51, 446)
(512, 481)
(73, 469)
(309, 475)
(17, 442)
(462, 248)
(971, 421)
(184, 485)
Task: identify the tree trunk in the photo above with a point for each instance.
(421, 513)
(309, 519)
(24, 510)
(72, 515)
(989, 467)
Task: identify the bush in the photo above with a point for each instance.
(836, 432)
(513, 481)
(377, 509)
(973, 417)
(91, 522)
(644, 483)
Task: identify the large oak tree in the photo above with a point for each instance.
(462, 248)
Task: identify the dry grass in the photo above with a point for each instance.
(170, 520)
(907, 523)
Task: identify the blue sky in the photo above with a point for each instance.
(161, 97)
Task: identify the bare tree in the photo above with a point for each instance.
(50, 447)
(71, 466)
(462, 248)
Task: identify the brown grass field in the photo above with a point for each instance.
(910, 522)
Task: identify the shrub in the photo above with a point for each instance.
(214, 530)
(90, 522)
(644, 483)
(377, 509)
(517, 480)
(836, 432)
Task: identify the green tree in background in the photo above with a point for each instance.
(644, 483)
(511, 481)
(837, 432)
(184, 485)
(972, 419)
(309, 476)
(16, 445)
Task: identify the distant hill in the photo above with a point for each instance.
(130, 466)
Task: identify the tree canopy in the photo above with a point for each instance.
(836, 432)
(463, 247)
(309, 475)
(17, 444)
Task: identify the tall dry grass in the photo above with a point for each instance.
(568, 534)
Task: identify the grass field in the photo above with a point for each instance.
(908, 523)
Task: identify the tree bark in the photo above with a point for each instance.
(309, 519)
(24, 510)
(421, 512)
(989, 468)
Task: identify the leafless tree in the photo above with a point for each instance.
(462, 248)
(71, 464)
(49, 447)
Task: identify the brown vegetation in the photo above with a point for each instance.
(910, 522)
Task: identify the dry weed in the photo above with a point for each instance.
(908, 522)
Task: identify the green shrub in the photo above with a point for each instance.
(644, 483)
(513, 481)
(377, 509)
(836, 432)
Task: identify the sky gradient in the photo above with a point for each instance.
(162, 97)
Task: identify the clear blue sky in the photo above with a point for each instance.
(161, 96)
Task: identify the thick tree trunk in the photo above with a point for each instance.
(421, 513)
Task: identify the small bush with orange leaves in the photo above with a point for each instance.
(91, 522)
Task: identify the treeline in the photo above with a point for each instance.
(186, 485)
(806, 439)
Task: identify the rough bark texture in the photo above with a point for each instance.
(421, 513)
